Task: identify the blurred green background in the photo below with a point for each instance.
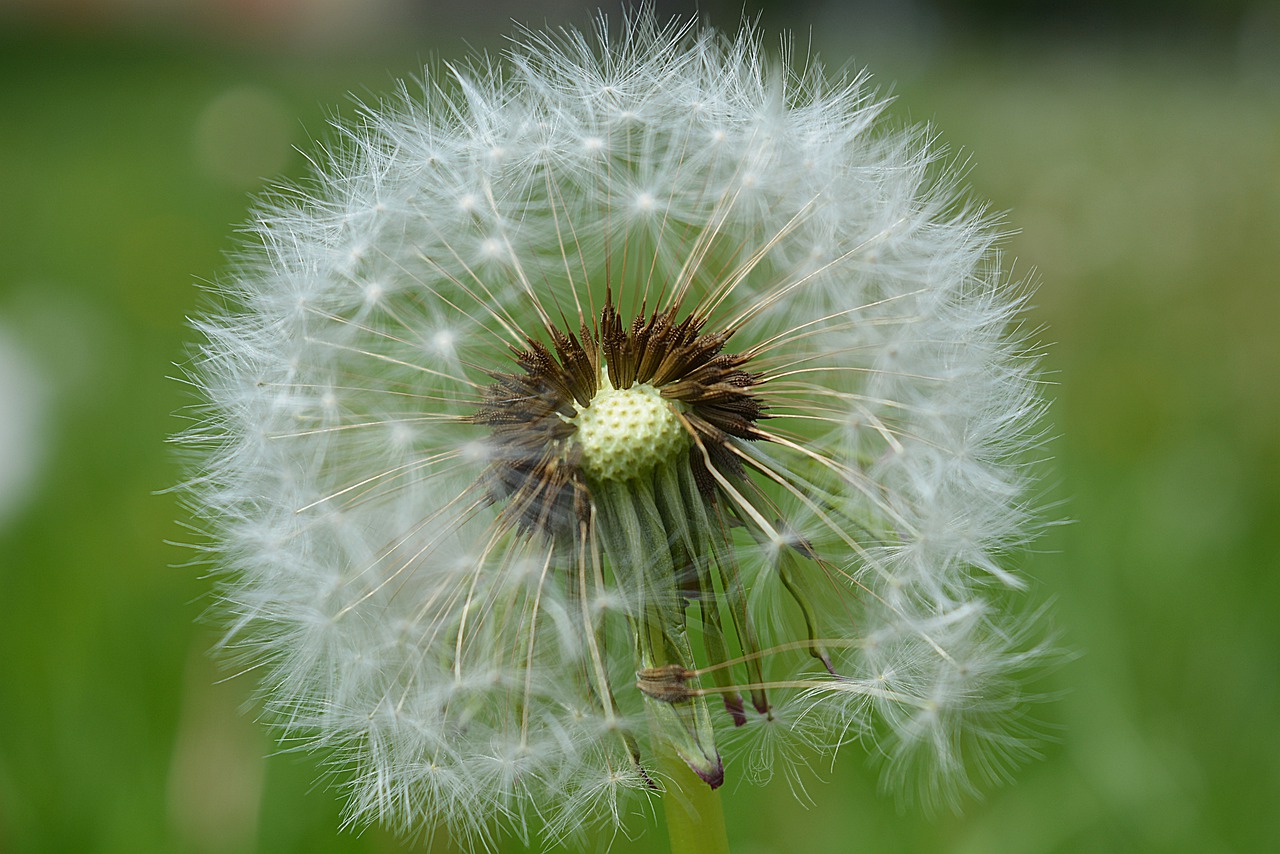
(1137, 148)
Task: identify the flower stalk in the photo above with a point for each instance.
(693, 811)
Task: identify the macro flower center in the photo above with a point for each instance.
(626, 433)
(625, 441)
(612, 405)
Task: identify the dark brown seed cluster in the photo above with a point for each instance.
(535, 466)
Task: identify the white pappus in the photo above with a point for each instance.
(633, 385)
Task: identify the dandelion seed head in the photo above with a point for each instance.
(552, 365)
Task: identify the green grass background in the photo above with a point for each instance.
(1146, 183)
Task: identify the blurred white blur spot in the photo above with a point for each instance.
(243, 136)
(23, 409)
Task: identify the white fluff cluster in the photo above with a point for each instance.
(465, 674)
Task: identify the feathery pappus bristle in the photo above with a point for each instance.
(632, 387)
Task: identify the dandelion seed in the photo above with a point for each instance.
(645, 397)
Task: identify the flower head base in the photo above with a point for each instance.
(645, 392)
(627, 433)
(625, 436)
(612, 404)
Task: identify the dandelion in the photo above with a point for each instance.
(633, 418)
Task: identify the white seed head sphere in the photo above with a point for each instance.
(549, 362)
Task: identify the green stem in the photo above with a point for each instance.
(695, 820)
